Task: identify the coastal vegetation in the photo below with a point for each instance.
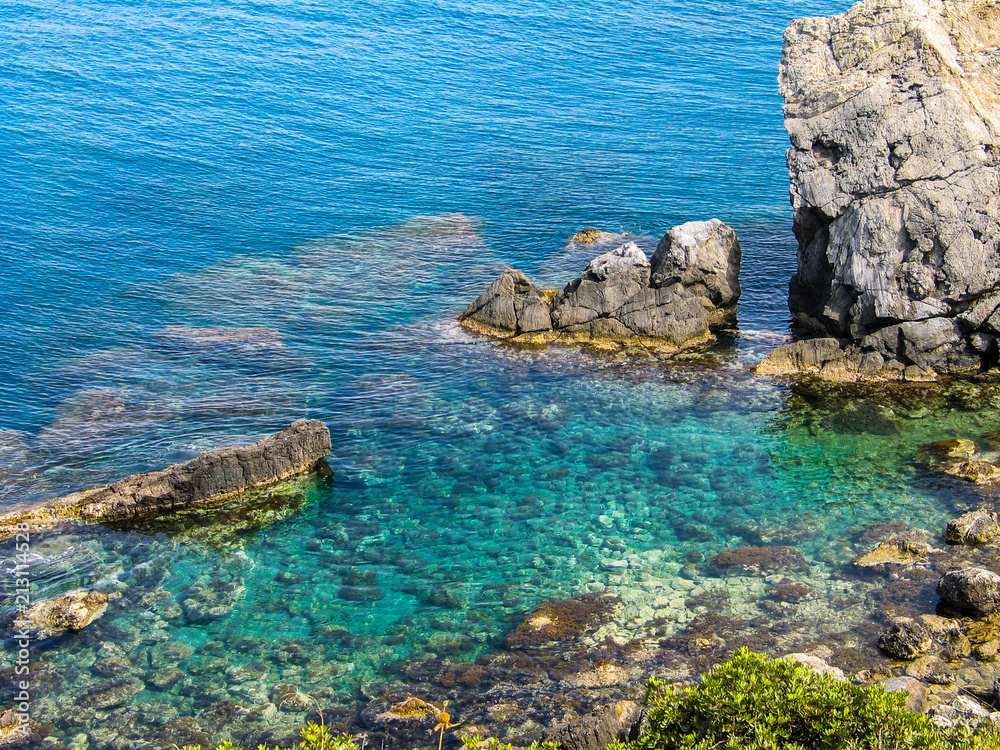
(750, 702)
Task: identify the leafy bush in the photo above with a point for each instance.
(755, 703)
(314, 737)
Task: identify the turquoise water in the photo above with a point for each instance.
(351, 175)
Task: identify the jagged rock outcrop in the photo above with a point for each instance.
(510, 306)
(213, 477)
(667, 302)
(893, 110)
(613, 300)
(705, 258)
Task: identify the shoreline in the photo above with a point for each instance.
(613, 661)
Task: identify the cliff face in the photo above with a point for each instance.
(893, 110)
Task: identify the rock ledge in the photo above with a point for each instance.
(213, 477)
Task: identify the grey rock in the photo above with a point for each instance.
(971, 591)
(608, 282)
(970, 708)
(613, 299)
(905, 639)
(704, 257)
(975, 527)
(617, 298)
(895, 178)
(916, 700)
(211, 478)
(510, 305)
(618, 722)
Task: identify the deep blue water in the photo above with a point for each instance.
(351, 175)
(143, 139)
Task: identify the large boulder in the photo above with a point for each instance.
(672, 302)
(971, 591)
(975, 527)
(892, 110)
(704, 257)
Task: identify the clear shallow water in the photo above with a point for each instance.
(351, 176)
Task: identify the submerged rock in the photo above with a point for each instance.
(69, 612)
(760, 559)
(15, 733)
(590, 235)
(215, 476)
(892, 112)
(971, 591)
(221, 341)
(109, 693)
(623, 297)
(555, 623)
(905, 549)
(959, 458)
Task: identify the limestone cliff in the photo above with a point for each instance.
(893, 110)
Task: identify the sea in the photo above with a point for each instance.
(344, 178)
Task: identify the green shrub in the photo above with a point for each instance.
(755, 703)
(314, 737)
